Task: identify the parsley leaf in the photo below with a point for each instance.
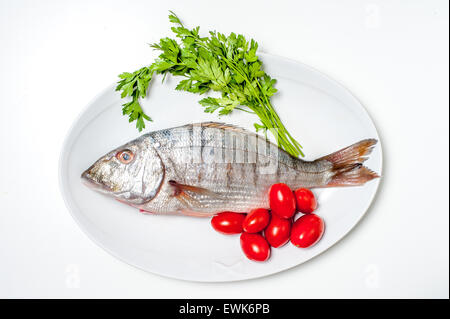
(226, 64)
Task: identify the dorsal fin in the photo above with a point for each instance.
(224, 126)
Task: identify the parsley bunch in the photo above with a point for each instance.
(228, 65)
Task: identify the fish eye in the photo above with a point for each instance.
(125, 156)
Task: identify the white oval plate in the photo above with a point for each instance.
(319, 112)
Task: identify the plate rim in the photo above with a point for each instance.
(69, 138)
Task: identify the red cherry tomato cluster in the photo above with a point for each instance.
(262, 229)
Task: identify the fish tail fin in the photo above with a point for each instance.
(347, 164)
(354, 176)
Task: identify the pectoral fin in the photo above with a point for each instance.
(191, 213)
(191, 198)
(183, 188)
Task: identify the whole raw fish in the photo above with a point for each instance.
(201, 169)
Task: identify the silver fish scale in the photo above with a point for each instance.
(235, 166)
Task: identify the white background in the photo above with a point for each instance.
(55, 56)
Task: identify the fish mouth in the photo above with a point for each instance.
(90, 182)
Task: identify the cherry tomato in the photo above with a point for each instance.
(306, 202)
(278, 231)
(256, 220)
(255, 247)
(282, 200)
(228, 222)
(307, 230)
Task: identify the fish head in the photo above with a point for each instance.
(132, 173)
